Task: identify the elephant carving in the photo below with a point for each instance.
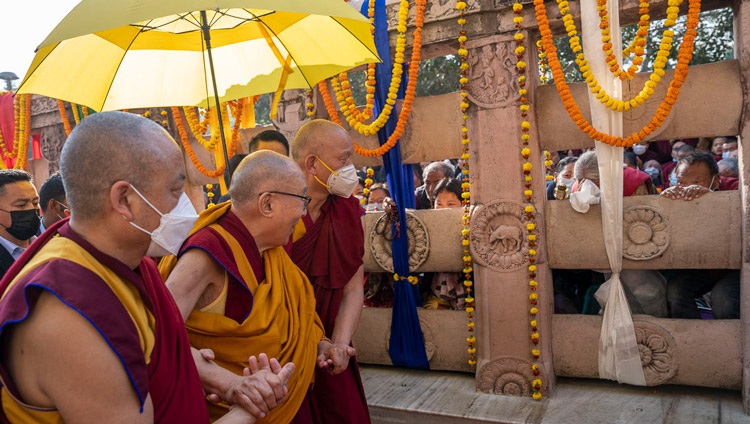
(510, 237)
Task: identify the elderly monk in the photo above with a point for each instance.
(328, 245)
(89, 331)
(239, 290)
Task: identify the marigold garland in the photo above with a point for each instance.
(199, 128)
(309, 106)
(76, 113)
(659, 63)
(22, 121)
(662, 112)
(471, 340)
(210, 195)
(189, 149)
(333, 115)
(368, 183)
(64, 117)
(638, 45)
(549, 172)
(543, 67)
(411, 88)
(529, 209)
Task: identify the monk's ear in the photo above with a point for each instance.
(119, 199)
(264, 205)
(309, 164)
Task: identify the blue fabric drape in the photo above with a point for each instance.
(407, 342)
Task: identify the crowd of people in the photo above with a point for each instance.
(693, 168)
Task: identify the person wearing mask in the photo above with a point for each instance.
(560, 187)
(644, 153)
(378, 193)
(328, 245)
(432, 174)
(19, 215)
(653, 169)
(728, 147)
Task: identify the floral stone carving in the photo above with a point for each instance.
(656, 347)
(419, 242)
(645, 233)
(506, 375)
(497, 236)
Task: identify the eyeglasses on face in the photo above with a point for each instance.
(304, 197)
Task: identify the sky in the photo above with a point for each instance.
(23, 25)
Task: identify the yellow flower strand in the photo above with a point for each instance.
(76, 115)
(345, 105)
(529, 209)
(468, 282)
(660, 62)
(64, 117)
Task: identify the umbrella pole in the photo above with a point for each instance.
(207, 37)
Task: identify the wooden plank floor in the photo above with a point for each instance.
(406, 396)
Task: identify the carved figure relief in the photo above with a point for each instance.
(491, 83)
(657, 348)
(419, 243)
(51, 142)
(645, 233)
(291, 112)
(41, 104)
(430, 346)
(497, 236)
(506, 375)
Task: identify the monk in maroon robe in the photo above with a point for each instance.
(88, 330)
(328, 245)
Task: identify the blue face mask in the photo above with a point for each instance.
(673, 179)
(725, 155)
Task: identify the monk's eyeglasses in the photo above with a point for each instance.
(304, 197)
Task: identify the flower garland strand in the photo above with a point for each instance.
(309, 106)
(189, 149)
(549, 171)
(368, 183)
(76, 114)
(64, 117)
(662, 112)
(22, 120)
(638, 45)
(529, 209)
(333, 115)
(210, 195)
(543, 66)
(640, 38)
(660, 62)
(411, 88)
(463, 54)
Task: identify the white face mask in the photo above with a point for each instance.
(568, 182)
(673, 178)
(342, 181)
(173, 228)
(374, 207)
(640, 149)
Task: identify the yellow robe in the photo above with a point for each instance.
(283, 322)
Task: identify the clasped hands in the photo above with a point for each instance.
(262, 386)
(689, 192)
(334, 356)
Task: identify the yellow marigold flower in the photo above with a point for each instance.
(517, 7)
(536, 395)
(532, 252)
(527, 178)
(534, 311)
(517, 19)
(521, 64)
(463, 80)
(465, 232)
(532, 268)
(535, 336)
(461, 21)
(525, 137)
(469, 309)
(464, 242)
(528, 193)
(472, 362)
(472, 350)
(461, 5)
(537, 382)
(525, 125)
(530, 226)
(463, 52)
(529, 209)
(524, 108)
(520, 50)
(533, 296)
(519, 36)
(527, 165)
(470, 324)
(535, 352)
(533, 323)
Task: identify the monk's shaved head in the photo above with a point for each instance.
(108, 147)
(261, 171)
(313, 137)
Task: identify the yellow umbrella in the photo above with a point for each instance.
(111, 55)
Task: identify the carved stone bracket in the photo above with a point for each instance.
(657, 348)
(506, 375)
(645, 233)
(492, 62)
(419, 242)
(41, 104)
(435, 10)
(291, 112)
(497, 236)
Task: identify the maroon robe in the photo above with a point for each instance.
(171, 377)
(330, 253)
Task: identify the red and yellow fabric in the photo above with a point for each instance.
(132, 310)
(282, 322)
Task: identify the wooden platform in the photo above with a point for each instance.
(406, 396)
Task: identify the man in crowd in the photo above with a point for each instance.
(19, 215)
(560, 187)
(53, 202)
(328, 245)
(238, 290)
(269, 140)
(679, 150)
(729, 168)
(432, 174)
(85, 295)
(729, 147)
(698, 174)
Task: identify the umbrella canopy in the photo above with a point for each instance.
(111, 55)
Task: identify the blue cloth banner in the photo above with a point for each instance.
(407, 341)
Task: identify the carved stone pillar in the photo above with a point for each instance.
(498, 235)
(742, 51)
